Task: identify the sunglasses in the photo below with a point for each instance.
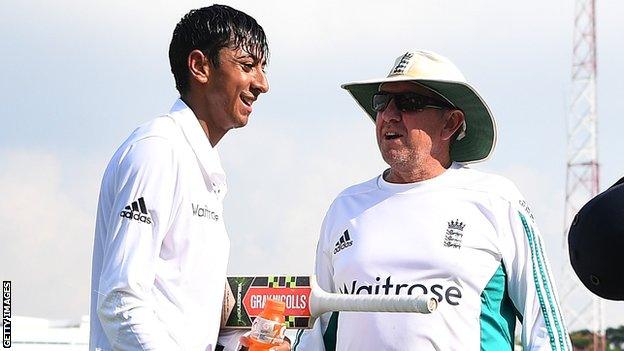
(406, 102)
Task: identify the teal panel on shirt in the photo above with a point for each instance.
(498, 314)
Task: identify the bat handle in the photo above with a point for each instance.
(322, 301)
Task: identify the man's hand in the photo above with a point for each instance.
(284, 346)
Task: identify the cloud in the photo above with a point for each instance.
(274, 209)
(46, 230)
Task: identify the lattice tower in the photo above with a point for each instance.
(582, 309)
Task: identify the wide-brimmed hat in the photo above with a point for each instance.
(440, 75)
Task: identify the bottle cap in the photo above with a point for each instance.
(274, 311)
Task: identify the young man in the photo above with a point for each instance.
(161, 249)
(431, 225)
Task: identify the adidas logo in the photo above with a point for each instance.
(137, 211)
(344, 242)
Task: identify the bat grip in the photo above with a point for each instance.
(322, 301)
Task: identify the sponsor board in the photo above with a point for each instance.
(245, 298)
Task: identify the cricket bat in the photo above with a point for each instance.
(245, 297)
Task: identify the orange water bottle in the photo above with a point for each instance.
(268, 328)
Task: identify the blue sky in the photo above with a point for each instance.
(78, 76)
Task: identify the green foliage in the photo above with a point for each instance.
(615, 338)
(583, 339)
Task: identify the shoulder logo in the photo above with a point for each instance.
(526, 208)
(136, 211)
(344, 242)
(454, 234)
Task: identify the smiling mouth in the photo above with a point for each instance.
(248, 101)
(391, 135)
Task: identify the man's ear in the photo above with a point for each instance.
(199, 67)
(454, 121)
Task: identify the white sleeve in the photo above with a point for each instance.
(530, 282)
(132, 246)
(314, 339)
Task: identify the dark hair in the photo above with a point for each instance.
(211, 29)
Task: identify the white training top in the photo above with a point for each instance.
(466, 238)
(161, 249)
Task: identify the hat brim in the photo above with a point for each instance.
(480, 139)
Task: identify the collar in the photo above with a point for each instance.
(207, 156)
(445, 177)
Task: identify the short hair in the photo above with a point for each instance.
(211, 29)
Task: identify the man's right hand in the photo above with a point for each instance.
(284, 346)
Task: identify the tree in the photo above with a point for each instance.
(615, 338)
(581, 339)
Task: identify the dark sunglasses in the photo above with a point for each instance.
(406, 102)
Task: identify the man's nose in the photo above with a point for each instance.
(390, 113)
(260, 82)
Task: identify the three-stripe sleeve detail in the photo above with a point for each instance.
(554, 305)
(547, 300)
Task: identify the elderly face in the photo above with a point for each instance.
(410, 140)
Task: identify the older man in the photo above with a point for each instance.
(431, 225)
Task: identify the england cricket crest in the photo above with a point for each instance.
(454, 234)
(401, 64)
